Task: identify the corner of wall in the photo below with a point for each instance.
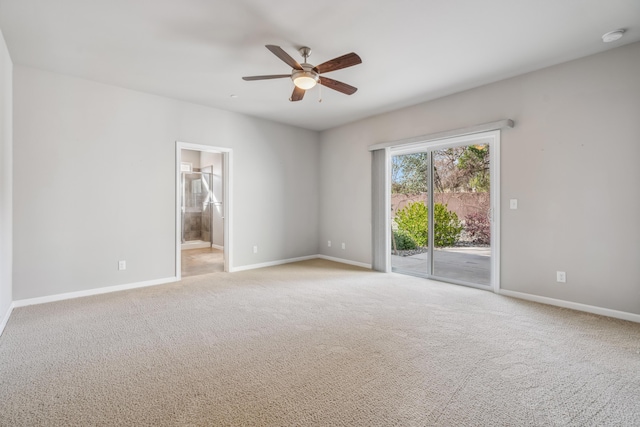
(6, 183)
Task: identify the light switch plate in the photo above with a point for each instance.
(513, 204)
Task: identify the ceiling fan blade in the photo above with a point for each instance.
(277, 51)
(297, 94)
(272, 76)
(344, 61)
(336, 85)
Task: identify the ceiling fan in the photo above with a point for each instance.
(305, 76)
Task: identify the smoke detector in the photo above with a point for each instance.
(612, 36)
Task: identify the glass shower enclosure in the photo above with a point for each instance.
(196, 207)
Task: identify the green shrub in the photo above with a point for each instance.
(403, 241)
(448, 226)
(413, 220)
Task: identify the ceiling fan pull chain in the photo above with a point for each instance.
(319, 93)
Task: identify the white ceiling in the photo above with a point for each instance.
(412, 50)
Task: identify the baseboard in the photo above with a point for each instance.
(217, 247)
(104, 290)
(5, 319)
(271, 263)
(623, 315)
(345, 261)
(304, 258)
(90, 292)
(573, 305)
(198, 245)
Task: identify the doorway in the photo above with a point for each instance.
(443, 200)
(202, 209)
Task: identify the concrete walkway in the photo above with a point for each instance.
(469, 264)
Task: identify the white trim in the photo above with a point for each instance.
(345, 261)
(178, 208)
(494, 196)
(623, 315)
(227, 209)
(572, 305)
(195, 245)
(387, 209)
(3, 324)
(217, 247)
(118, 288)
(91, 292)
(485, 127)
(443, 143)
(227, 156)
(273, 263)
(298, 259)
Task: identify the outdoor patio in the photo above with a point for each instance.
(468, 264)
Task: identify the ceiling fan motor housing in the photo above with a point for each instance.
(305, 78)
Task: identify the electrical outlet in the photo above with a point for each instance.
(255, 249)
(344, 246)
(561, 276)
(329, 243)
(122, 265)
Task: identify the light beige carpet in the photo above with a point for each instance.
(315, 343)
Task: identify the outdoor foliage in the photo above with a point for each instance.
(475, 162)
(478, 227)
(403, 241)
(457, 169)
(413, 220)
(448, 226)
(409, 173)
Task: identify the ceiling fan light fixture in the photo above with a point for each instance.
(305, 79)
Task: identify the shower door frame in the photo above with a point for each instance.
(227, 156)
(183, 211)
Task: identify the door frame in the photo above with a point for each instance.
(493, 139)
(227, 199)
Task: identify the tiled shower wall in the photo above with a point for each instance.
(193, 226)
(206, 224)
(197, 225)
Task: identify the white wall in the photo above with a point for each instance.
(6, 189)
(86, 194)
(571, 160)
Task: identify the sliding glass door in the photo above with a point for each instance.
(462, 214)
(410, 199)
(441, 210)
